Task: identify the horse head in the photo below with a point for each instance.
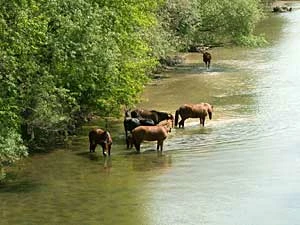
(171, 117)
(166, 124)
(127, 113)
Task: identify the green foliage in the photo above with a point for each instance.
(251, 41)
(63, 59)
(97, 51)
(11, 145)
(212, 22)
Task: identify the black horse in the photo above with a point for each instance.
(154, 115)
(131, 123)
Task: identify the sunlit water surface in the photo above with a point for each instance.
(242, 168)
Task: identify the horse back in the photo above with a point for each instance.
(162, 116)
(145, 114)
(206, 56)
(149, 133)
(192, 111)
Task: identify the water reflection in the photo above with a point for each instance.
(149, 161)
(248, 166)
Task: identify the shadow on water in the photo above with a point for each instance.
(13, 184)
(94, 156)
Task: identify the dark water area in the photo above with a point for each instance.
(243, 167)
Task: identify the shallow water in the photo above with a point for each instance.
(243, 167)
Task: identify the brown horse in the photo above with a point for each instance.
(101, 137)
(206, 56)
(150, 133)
(154, 115)
(193, 111)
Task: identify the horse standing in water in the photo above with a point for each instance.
(150, 133)
(131, 123)
(193, 111)
(101, 137)
(154, 115)
(206, 56)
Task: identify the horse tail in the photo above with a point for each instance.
(176, 117)
(210, 109)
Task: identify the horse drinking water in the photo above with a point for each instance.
(101, 137)
(193, 111)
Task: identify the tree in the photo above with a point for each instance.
(212, 22)
(62, 59)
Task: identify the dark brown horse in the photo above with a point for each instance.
(154, 115)
(206, 56)
(101, 137)
(207, 59)
(193, 111)
(150, 133)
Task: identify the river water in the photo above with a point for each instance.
(242, 168)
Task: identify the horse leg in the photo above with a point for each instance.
(137, 146)
(104, 147)
(92, 147)
(127, 143)
(109, 148)
(130, 141)
(161, 145)
(203, 121)
(126, 138)
(181, 123)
